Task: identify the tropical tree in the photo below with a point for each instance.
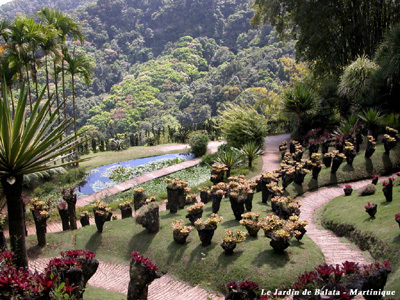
(299, 100)
(27, 146)
(371, 117)
(251, 150)
(230, 157)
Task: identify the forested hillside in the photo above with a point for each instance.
(168, 63)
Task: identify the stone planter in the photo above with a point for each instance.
(350, 158)
(253, 231)
(219, 177)
(176, 199)
(388, 192)
(372, 210)
(193, 217)
(375, 180)
(303, 232)
(249, 202)
(206, 235)
(140, 279)
(228, 247)
(179, 237)
(205, 196)
(286, 180)
(64, 219)
(279, 244)
(336, 162)
(369, 151)
(216, 202)
(126, 212)
(299, 178)
(89, 268)
(327, 161)
(151, 220)
(41, 227)
(139, 199)
(84, 221)
(315, 172)
(347, 191)
(99, 219)
(71, 201)
(375, 281)
(237, 207)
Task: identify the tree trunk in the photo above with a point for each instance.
(16, 220)
(48, 86)
(29, 88)
(74, 118)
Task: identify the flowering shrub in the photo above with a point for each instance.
(251, 220)
(369, 205)
(234, 237)
(176, 183)
(87, 254)
(348, 186)
(124, 204)
(210, 223)
(195, 208)
(179, 227)
(145, 262)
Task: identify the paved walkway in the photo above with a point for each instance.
(271, 153)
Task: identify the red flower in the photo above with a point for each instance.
(232, 285)
(324, 270)
(397, 217)
(350, 267)
(249, 285)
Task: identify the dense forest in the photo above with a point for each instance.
(168, 64)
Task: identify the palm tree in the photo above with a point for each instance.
(78, 65)
(251, 150)
(27, 146)
(231, 157)
(371, 118)
(299, 100)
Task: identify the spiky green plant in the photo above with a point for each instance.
(231, 157)
(27, 146)
(251, 150)
(371, 117)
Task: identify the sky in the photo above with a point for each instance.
(4, 1)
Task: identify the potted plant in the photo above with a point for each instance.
(84, 219)
(283, 148)
(387, 189)
(397, 218)
(40, 212)
(63, 211)
(299, 173)
(206, 229)
(337, 159)
(388, 142)
(102, 213)
(180, 232)
(280, 240)
(371, 209)
(252, 223)
(217, 173)
(176, 193)
(267, 178)
(375, 179)
(69, 196)
(149, 217)
(195, 212)
(371, 146)
(139, 198)
(205, 195)
(298, 226)
(327, 159)
(142, 272)
(216, 197)
(349, 152)
(3, 244)
(126, 209)
(315, 165)
(347, 190)
(246, 290)
(231, 239)
(191, 199)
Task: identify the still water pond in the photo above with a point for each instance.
(98, 178)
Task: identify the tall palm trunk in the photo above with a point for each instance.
(29, 87)
(47, 83)
(63, 89)
(74, 116)
(16, 219)
(56, 89)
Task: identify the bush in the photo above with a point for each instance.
(240, 125)
(368, 190)
(71, 176)
(198, 142)
(208, 159)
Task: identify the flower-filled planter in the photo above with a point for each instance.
(126, 209)
(84, 219)
(313, 146)
(315, 165)
(3, 243)
(63, 211)
(337, 159)
(279, 244)
(176, 194)
(248, 203)
(102, 213)
(350, 153)
(347, 190)
(327, 159)
(231, 239)
(371, 209)
(371, 146)
(180, 232)
(139, 198)
(267, 178)
(397, 218)
(246, 290)
(205, 195)
(191, 199)
(389, 143)
(299, 226)
(283, 147)
(195, 212)
(375, 179)
(285, 207)
(387, 189)
(87, 262)
(252, 223)
(299, 173)
(149, 216)
(40, 212)
(237, 205)
(216, 197)
(217, 173)
(69, 196)
(206, 229)
(142, 272)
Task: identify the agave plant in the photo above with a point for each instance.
(231, 157)
(371, 118)
(27, 146)
(251, 150)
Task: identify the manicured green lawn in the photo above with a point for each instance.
(95, 293)
(254, 259)
(362, 168)
(109, 157)
(381, 236)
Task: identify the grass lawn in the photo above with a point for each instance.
(362, 168)
(95, 293)
(381, 236)
(254, 259)
(108, 157)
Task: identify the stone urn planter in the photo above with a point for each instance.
(348, 190)
(387, 189)
(40, 215)
(149, 217)
(336, 162)
(126, 210)
(237, 206)
(100, 217)
(302, 233)
(375, 179)
(279, 244)
(84, 219)
(371, 145)
(327, 160)
(69, 196)
(180, 232)
(205, 196)
(228, 247)
(216, 199)
(206, 235)
(63, 211)
(139, 198)
(371, 209)
(179, 238)
(249, 201)
(142, 272)
(176, 194)
(316, 169)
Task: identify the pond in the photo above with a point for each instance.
(99, 178)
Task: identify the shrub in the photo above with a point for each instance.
(198, 142)
(240, 125)
(208, 159)
(369, 189)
